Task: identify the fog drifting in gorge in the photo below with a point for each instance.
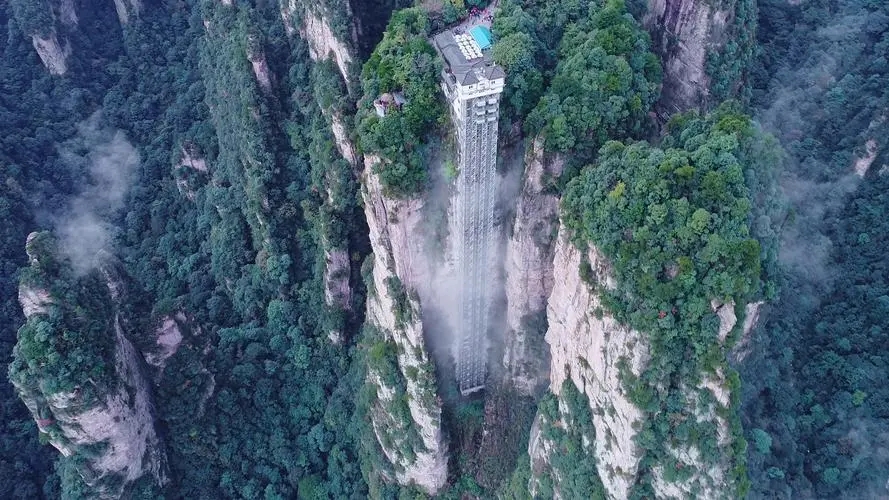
(795, 93)
(814, 192)
(84, 226)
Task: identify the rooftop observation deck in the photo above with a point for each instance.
(467, 59)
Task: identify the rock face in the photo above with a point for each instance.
(863, 163)
(53, 53)
(529, 271)
(539, 451)
(315, 29)
(415, 447)
(260, 69)
(341, 137)
(102, 420)
(337, 292)
(121, 425)
(68, 13)
(127, 9)
(34, 301)
(290, 15)
(168, 337)
(751, 319)
(563, 434)
(598, 354)
(48, 23)
(683, 33)
(190, 172)
(324, 44)
(588, 346)
(393, 224)
(337, 289)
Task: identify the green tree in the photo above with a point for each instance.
(604, 84)
(402, 62)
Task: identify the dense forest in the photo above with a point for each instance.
(814, 406)
(237, 250)
(183, 168)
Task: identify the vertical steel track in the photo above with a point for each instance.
(476, 191)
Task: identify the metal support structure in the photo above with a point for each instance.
(472, 83)
(476, 191)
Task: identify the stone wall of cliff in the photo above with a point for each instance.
(52, 24)
(589, 347)
(692, 38)
(529, 271)
(127, 10)
(413, 442)
(310, 21)
(601, 357)
(46, 23)
(83, 380)
(53, 52)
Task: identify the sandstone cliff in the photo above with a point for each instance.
(127, 10)
(324, 44)
(602, 358)
(81, 377)
(260, 67)
(692, 37)
(53, 53)
(529, 271)
(336, 279)
(862, 164)
(46, 23)
(345, 145)
(314, 27)
(412, 441)
(338, 182)
(68, 13)
(337, 288)
(589, 347)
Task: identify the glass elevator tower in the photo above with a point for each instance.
(472, 84)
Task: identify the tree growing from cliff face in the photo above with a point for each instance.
(604, 84)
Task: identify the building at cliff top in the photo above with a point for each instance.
(472, 83)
